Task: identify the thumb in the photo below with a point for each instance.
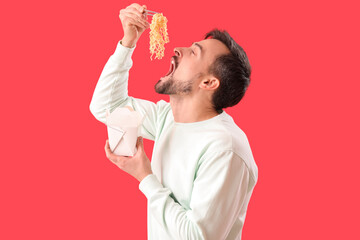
(140, 143)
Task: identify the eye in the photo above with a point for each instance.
(192, 51)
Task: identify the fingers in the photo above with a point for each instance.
(133, 17)
(138, 11)
(113, 157)
(108, 151)
(107, 147)
(138, 7)
(136, 19)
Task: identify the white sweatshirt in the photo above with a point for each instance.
(204, 172)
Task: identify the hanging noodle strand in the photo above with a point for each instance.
(158, 35)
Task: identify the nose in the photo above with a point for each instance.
(177, 52)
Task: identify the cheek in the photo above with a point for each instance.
(186, 70)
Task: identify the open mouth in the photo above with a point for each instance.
(172, 67)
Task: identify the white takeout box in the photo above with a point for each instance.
(123, 126)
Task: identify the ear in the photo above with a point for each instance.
(210, 83)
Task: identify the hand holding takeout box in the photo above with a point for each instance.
(123, 126)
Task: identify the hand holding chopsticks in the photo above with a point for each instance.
(134, 23)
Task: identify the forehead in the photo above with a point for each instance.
(213, 47)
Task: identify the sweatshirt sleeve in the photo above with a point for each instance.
(111, 91)
(219, 191)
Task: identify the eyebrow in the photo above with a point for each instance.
(199, 46)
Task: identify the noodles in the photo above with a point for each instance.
(158, 35)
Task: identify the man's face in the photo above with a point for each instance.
(189, 67)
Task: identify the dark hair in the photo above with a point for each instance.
(233, 70)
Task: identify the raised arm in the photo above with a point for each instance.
(111, 90)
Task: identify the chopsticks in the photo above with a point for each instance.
(150, 13)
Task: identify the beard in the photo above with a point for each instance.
(173, 87)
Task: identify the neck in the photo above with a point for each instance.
(189, 109)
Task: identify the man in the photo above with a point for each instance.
(202, 174)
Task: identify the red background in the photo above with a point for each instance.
(299, 114)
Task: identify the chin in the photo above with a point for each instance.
(158, 85)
